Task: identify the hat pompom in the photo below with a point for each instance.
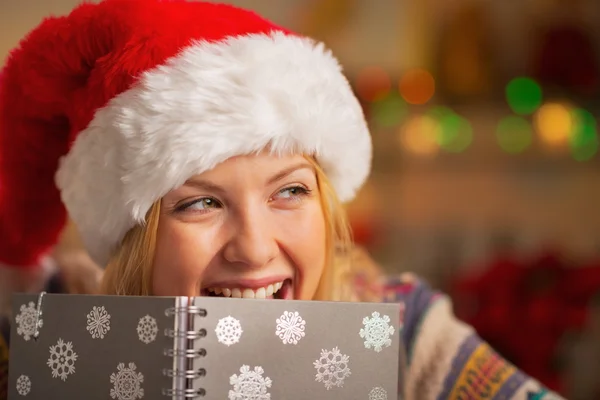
(39, 118)
(33, 135)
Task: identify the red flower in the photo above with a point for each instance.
(524, 310)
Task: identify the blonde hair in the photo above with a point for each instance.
(129, 271)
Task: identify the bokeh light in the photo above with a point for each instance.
(438, 112)
(455, 133)
(373, 84)
(524, 95)
(583, 141)
(417, 86)
(389, 111)
(554, 123)
(514, 134)
(419, 135)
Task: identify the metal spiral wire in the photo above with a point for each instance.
(190, 375)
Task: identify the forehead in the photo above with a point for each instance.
(249, 172)
(261, 164)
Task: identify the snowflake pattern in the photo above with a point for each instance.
(378, 393)
(98, 322)
(23, 385)
(377, 331)
(228, 330)
(147, 329)
(290, 327)
(127, 383)
(332, 368)
(250, 384)
(62, 359)
(26, 320)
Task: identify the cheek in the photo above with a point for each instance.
(182, 254)
(306, 246)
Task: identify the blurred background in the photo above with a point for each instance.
(486, 172)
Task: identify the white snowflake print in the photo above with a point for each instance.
(127, 383)
(147, 329)
(290, 327)
(377, 331)
(250, 384)
(228, 330)
(62, 359)
(26, 320)
(23, 385)
(98, 322)
(378, 393)
(332, 368)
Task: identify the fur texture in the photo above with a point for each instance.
(139, 95)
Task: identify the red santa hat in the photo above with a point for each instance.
(106, 110)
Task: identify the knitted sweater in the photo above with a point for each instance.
(445, 360)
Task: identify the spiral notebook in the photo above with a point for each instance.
(128, 348)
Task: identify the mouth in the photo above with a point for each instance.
(282, 290)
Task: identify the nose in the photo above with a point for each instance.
(252, 243)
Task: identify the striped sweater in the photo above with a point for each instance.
(445, 359)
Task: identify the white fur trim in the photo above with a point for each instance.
(211, 102)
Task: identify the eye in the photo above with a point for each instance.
(292, 192)
(201, 205)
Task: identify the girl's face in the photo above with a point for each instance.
(252, 227)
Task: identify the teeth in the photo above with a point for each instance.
(269, 291)
(260, 293)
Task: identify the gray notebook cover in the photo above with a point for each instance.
(126, 348)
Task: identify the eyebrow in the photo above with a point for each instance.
(288, 171)
(202, 184)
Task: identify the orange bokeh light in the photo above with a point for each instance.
(417, 86)
(419, 135)
(554, 123)
(373, 83)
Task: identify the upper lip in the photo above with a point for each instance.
(247, 283)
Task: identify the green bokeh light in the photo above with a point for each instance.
(523, 95)
(514, 134)
(456, 133)
(584, 141)
(389, 111)
(439, 112)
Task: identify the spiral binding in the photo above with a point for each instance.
(190, 354)
(172, 311)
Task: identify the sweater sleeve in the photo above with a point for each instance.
(445, 359)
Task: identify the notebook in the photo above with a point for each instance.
(131, 348)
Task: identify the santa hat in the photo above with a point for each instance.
(106, 110)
